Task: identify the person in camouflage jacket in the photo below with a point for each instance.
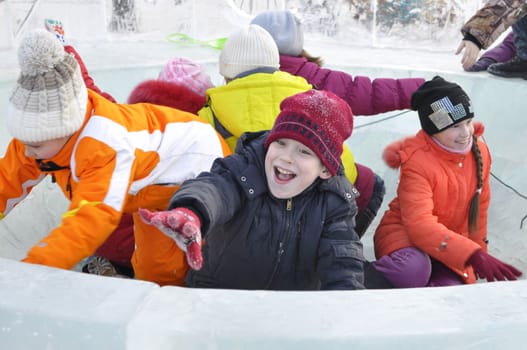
(487, 24)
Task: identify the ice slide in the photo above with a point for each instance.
(46, 308)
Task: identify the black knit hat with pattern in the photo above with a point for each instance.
(320, 120)
(440, 104)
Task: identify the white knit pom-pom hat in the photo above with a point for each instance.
(247, 49)
(50, 98)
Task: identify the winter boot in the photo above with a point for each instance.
(97, 265)
(515, 68)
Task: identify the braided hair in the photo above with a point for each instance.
(473, 212)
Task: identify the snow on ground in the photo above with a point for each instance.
(64, 309)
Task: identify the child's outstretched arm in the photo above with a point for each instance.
(183, 226)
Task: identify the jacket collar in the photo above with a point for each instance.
(269, 70)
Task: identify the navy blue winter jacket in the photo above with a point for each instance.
(256, 241)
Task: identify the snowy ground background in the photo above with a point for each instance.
(64, 310)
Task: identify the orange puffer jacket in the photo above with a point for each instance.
(430, 211)
(123, 157)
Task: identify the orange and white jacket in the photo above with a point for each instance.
(123, 157)
(430, 211)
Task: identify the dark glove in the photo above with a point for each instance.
(487, 266)
(183, 226)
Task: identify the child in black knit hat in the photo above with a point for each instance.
(435, 231)
(279, 213)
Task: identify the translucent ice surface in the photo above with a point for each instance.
(46, 308)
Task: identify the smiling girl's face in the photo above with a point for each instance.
(458, 136)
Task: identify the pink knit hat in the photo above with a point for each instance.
(183, 71)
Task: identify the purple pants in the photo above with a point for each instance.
(411, 268)
(503, 51)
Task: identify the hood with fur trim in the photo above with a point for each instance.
(392, 154)
(168, 94)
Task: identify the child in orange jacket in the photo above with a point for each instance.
(181, 84)
(113, 257)
(108, 158)
(435, 231)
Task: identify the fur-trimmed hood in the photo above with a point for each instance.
(165, 93)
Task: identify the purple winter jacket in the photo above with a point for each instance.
(364, 96)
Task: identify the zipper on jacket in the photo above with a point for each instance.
(298, 240)
(281, 250)
(275, 269)
(68, 186)
(50, 167)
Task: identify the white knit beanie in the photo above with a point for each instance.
(285, 28)
(247, 49)
(50, 98)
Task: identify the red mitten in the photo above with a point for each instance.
(487, 266)
(183, 226)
